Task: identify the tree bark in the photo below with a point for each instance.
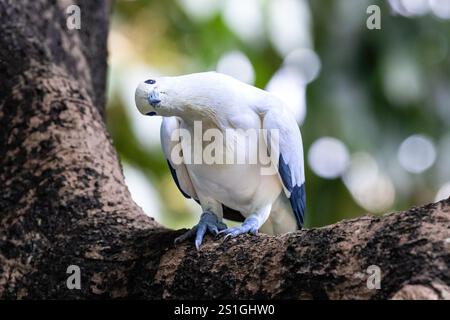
(63, 200)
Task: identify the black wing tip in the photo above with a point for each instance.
(298, 195)
(298, 203)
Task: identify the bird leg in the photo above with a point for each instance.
(208, 222)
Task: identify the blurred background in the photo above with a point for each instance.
(373, 105)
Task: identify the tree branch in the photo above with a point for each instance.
(64, 201)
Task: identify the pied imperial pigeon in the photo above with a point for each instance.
(233, 148)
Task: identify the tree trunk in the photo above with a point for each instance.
(63, 200)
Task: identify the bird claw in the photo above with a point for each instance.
(208, 222)
(249, 226)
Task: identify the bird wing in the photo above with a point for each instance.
(178, 170)
(286, 152)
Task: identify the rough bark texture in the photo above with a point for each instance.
(63, 200)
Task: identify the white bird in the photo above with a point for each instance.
(273, 203)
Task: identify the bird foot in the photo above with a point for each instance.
(250, 225)
(208, 222)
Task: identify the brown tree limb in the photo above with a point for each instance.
(63, 200)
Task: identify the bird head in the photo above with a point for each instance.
(150, 97)
(185, 96)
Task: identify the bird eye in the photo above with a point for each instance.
(150, 81)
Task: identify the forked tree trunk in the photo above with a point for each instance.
(63, 200)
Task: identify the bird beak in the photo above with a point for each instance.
(153, 98)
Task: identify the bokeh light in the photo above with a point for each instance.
(289, 25)
(306, 62)
(328, 157)
(200, 10)
(237, 65)
(371, 189)
(414, 8)
(417, 153)
(245, 19)
(440, 8)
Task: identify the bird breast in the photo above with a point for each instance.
(234, 168)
